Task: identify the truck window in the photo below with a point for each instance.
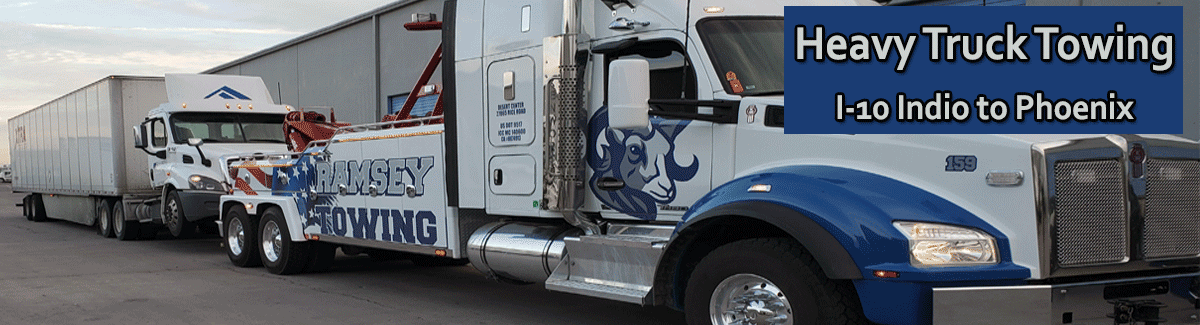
(671, 73)
(228, 128)
(158, 133)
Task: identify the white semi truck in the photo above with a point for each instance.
(78, 156)
(635, 151)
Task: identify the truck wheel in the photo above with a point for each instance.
(27, 207)
(104, 218)
(174, 218)
(279, 254)
(123, 229)
(241, 238)
(39, 209)
(766, 281)
(322, 256)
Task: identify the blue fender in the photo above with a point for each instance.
(844, 218)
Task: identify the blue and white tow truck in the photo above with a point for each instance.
(635, 151)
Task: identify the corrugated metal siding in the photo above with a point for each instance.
(352, 66)
(403, 54)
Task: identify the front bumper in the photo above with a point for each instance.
(1173, 297)
(200, 204)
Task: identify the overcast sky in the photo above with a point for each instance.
(51, 47)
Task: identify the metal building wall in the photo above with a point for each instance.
(352, 66)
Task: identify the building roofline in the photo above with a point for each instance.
(314, 34)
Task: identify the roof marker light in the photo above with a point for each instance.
(184, 105)
(714, 10)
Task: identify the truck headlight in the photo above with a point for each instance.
(931, 244)
(198, 182)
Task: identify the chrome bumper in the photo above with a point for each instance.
(1172, 297)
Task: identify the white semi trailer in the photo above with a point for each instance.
(75, 155)
(128, 154)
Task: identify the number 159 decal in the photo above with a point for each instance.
(961, 163)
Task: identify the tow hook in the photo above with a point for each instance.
(1136, 312)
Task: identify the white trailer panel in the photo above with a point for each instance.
(82, 143)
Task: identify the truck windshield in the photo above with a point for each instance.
(228, 128)
(747, 53)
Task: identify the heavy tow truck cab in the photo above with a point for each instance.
(634, 151)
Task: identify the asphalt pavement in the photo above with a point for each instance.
(64, 273)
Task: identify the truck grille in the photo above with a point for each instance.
(1091, 221)
(1171, 227)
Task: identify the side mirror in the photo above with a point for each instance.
(195, 142)
(628, 94)
(139, 136)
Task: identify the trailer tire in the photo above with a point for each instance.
(279, 253)
(322, 256)
(104, 219)
(769, 272)
(27, 207)
(123, 229)
(241, 238)
(174, 217)
(39, 209)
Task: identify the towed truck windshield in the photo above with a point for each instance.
(228, 128)
(746, 52)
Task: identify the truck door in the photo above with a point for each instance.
(659, 172)
(513, 127)
(158, 145)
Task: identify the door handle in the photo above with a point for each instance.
(610, 184)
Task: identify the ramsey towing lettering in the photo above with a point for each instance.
(390, 176)
(411, 227)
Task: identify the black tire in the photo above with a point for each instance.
(27, 207)
(283, 257)
(322, 256)
(437, 261)
(123, 229)
(104, 218)
(39, 209)
(241, 238)
(175, 219)
(787, 268)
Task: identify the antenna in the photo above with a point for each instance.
(279, 92)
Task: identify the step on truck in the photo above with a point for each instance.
(134, 155)
(635, 151)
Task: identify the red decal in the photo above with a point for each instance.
(733, 82)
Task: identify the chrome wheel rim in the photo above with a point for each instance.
(236, 236)
(272, 241)
(118, 220)
(173, 214)
(746, 299)
(104, 220)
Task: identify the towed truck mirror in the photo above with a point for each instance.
(628, 94)
(197, 142)
(139, 136)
